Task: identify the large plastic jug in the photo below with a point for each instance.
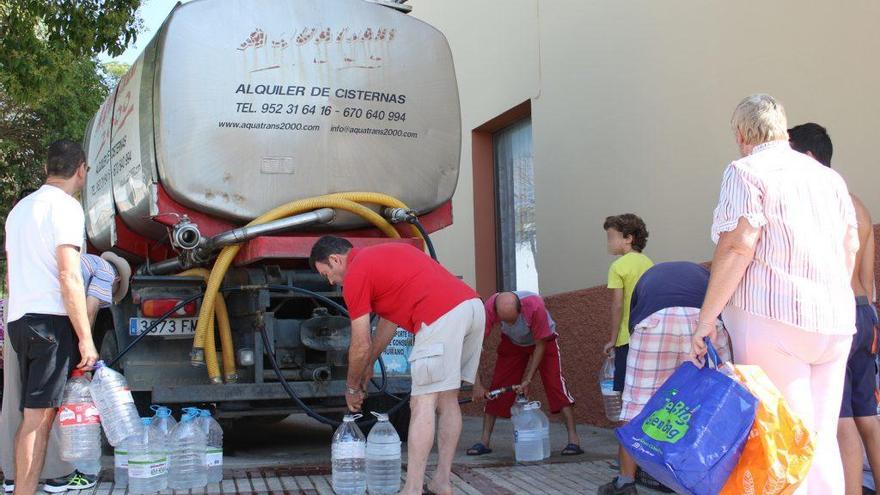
(610, 398)
(147, 464)
(214, 450)
(527, 434)
(115, 404)
(348, 453)
(161, 426)
(78, 421)
(186, 467)
(383, 457)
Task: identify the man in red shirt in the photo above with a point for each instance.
(408, 289)
(528, 344)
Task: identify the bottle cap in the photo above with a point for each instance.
(161, 411)
(532, 406)
(146, 421)
(380, 416)
(204, 413)
(350, 418)
(99, 364)
(76, 373)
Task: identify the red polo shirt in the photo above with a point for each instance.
(401, 284)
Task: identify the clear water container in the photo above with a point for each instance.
(528, 434)
(161, 426)
(610, 398)
(79, 423)
(186, 467)
(115, 404)
(383, 457)
(348, 454)
(147, 464)
(214, 450)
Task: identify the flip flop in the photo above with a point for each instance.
(479, 449)
(572, 449)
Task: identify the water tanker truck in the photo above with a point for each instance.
(244, 131)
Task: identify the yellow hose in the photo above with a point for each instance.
(222, 315)
(345, 202)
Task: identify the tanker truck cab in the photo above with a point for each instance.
(224, 153)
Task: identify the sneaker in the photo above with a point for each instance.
(612, 489)
(73, 481)
(8, 486)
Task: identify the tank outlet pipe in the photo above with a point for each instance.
(321, 374)
(248, 232)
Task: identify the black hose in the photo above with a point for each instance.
(415, 221)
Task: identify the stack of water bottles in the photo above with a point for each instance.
(531, 432)
(187, 469)
(79, 423)
(372, 464)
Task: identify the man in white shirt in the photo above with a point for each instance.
(47, 303)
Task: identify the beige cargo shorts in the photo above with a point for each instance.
(447, 352)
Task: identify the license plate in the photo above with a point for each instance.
(170, 327)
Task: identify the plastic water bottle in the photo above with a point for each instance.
(186, 467)
(348, 452)
(214, 450)
(518, 405)
(147, 464)
(78, 421)
(120, 464)
(527, 434)
(610, 398)
(545, 431)
(383, 457)
(160, 427)
(115, 404)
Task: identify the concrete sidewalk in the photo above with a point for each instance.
(293, 457)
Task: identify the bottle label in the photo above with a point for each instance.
(78, 414)
(120, 459)
(214, 457)
(349, 450)
(147, 469)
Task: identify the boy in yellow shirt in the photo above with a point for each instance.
(627, 237)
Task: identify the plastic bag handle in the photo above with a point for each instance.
(711, 354)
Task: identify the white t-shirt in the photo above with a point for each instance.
(37, 225)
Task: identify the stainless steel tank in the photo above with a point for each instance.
(238, 106)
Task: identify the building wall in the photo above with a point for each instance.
(631, 103)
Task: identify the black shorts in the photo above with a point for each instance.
(44, 344)
(620, 354)
(860, 385)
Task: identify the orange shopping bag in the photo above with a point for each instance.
(779, 450)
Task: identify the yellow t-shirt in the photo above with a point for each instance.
(623, 274)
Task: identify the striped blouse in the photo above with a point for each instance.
(799, 274)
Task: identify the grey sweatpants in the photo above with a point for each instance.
(10, 418)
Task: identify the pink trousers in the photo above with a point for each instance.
(808, 368)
